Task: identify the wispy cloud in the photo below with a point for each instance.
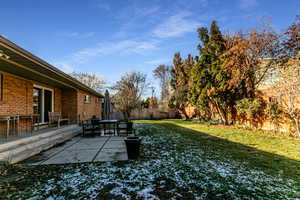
(78, 35)
(176, 25)
(247, 4)
(120, 47)
(123, 47)
(65, 67)
(135, 17)
(158, 61)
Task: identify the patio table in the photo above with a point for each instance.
(107, 123)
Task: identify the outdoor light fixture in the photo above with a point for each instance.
(3, 55)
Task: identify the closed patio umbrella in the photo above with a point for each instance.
(106, 107)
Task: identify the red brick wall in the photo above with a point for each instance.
(89, 109)
(18, 99)
(69, 105)
(73, 105)
(57, 100)
(17, 96)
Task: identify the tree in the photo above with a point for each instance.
(129, 90)
(250, 108)
(209, 85)
(287, 89)
(287, 85)
(291, 41)
(180, 79)
(91, 80)
(249, 57)
(163, 73)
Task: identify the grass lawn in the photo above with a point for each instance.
(180, 160)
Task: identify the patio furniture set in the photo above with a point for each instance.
(13, 122)
(13, 125)
(95, 126)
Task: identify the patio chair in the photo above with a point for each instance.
(109, 128)
(90, 127)
(125, 128)
(56, 118)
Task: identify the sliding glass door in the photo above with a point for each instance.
(42, 102)
(37, 102)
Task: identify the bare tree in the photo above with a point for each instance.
(163, 73)
(249, 57)
(90, 79)
(287, 88)
(129, 90)
(287, 84)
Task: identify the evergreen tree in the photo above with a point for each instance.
(208, 79)
(180, 81)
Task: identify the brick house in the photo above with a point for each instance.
(29, 85)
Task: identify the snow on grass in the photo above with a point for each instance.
(171, 167)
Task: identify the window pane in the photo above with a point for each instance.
(37, 101)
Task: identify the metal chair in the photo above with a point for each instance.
(125, 128)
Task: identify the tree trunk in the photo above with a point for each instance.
(297, 126)
(182, 109)
(221, 112)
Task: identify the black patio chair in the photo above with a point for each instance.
(91, 127)
(125, 128)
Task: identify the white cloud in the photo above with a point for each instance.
(247, 4)
(65, 67)
(123, 47)
(78, 35)
(158, 61)
(175, 26)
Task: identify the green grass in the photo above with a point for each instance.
(272, 154)
(179, 160)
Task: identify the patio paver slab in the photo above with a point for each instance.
(79, 149)
(113, 144)
(72, 156)
(111, 155)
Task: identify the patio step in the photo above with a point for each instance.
(37, 149)
(16, 151)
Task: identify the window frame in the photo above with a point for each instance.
(86, 99)
(42, 88)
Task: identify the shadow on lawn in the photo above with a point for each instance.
(266, 161)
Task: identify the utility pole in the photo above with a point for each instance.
(153, 90)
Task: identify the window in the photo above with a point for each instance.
(86, 99)
(97, 99)
(1, 87)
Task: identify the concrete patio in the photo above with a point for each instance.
(81, 149)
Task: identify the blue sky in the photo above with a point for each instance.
(111, 37)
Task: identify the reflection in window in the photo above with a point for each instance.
(86, 99)
(37, 101)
